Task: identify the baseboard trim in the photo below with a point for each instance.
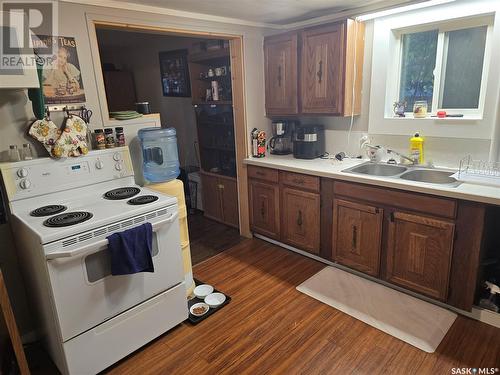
(486, 316)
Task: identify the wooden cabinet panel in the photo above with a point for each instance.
(444, 207)
(229, 199)
(280, 56)
(419, 253)
(264, 209)
(220, 198)
(301, 181)
(265, 174)
(323, 69)
(301, 219)
(357, 232)
(212, 206)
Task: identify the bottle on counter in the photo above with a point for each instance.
(417, 148)
(99, 139)
(120, 137)
(110, 138)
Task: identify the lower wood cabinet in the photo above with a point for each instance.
(220, 198)
(264, 208)
(357, 233)
(300, 219)
(419, 253)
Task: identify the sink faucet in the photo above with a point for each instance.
(412, 161)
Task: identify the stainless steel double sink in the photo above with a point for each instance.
(410, 173)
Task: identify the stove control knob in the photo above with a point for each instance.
(117, 156)
(23, 172)
(118, 166)
(99, 164)
(25, 184)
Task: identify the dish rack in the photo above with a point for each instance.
(478, 171)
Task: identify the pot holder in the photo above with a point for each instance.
(73, 139)
(46, 132)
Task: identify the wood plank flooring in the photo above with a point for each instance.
(208, 237)
(271, 328)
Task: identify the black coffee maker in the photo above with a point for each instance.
(281, 143)
(309, 142)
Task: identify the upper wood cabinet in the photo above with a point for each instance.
(419, 253)
(357, 230)
(328, 75)
(280, 56)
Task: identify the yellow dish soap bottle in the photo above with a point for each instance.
(417, 148)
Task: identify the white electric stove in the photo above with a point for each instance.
(61, 213)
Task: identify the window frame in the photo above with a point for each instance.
(442, 27)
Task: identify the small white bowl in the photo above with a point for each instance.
(199, 304)
(201, 291)
(215, 299)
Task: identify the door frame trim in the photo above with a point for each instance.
(238, 85)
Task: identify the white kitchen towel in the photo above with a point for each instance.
(407, 318)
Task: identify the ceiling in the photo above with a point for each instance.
(279, 12)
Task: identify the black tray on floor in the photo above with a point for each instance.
(196, 319)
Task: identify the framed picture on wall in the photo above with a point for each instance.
(62, 79)
(175, 73)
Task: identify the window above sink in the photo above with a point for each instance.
(445, 56)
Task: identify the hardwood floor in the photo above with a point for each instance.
(208, 237)
(270, 327)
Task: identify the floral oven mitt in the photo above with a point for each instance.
(73, 140)
(46, 132)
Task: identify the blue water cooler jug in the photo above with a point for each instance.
(160, 155)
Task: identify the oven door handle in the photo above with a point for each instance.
(104, 242)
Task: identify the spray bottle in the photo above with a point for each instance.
(490, 303)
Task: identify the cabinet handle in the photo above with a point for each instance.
(354, 237)
(259, 173)
(262, 210)
(299, 219)
(391, 217)
(320, 71)
(279, 75)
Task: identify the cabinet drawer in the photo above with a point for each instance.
(301, 181)
(443, 207)
(265, 174)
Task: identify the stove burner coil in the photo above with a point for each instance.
(143, 199)
(49, 210)
(122, 193)
(68, 218)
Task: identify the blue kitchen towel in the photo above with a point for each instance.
(131, 250)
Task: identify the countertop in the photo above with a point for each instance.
(333, 168)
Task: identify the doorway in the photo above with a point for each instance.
(188, 81)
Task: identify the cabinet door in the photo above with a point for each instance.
(229, 196)
(280, 58)
(264, 209)
(301, 219)
(322, 69)
(419, 253)
(357, 231)
(212, 206)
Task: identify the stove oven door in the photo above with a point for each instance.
(86, 294)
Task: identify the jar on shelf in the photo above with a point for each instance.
(120, 136)
(110, 138)
(420, 109)
(99, 139)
